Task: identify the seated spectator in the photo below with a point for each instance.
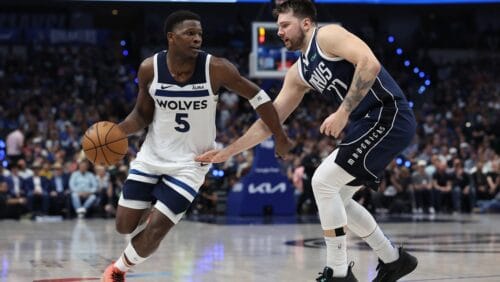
(462, 198)
(37, 189)
(118, 179)
(24, 171)
(493, 178)
(402, 201)
(441, 183)
(83, 185)
(59, 191)
(422, 187)
(16, 198)
(104, 189)
(480, 182)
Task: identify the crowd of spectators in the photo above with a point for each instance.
(52, 93)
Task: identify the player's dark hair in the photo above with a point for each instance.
(178, 17)
(300, 8)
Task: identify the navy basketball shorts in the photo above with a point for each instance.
(174, 188)
(374, 141)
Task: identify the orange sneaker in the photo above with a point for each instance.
(113, 274)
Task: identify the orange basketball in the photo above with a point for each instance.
(104, 143)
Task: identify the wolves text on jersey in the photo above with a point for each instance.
(182, 105)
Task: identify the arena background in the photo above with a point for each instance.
(67, 64)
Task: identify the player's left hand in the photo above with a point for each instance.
(334, 124)
(213, 156)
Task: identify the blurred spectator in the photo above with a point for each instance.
(307, 203)
(493, 179)
(4, 188)
(83, 185)
(463, 195)
(16, 194)
(14, 144)
(24, 171)
(422, 187)
(59, 191)
(403, 201)
(118, 179)
(104, 189)
(442, 188)
(11, 206)
(37, 189)
(480, 181)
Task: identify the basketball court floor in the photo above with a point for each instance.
(449, 248)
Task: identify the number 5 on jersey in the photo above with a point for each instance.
(181, 119)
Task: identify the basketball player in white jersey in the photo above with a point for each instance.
(177, 102)
(338, 65)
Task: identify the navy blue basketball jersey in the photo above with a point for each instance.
(333, 76)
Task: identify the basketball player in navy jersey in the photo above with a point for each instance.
(177, 102)
(337, 64)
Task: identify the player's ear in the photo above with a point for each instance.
(306, 24)
(170, 36)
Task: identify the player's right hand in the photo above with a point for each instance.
(213, 156)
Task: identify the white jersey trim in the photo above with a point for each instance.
(392, 124)
(301, 75)
(155, 79)
(207, 74)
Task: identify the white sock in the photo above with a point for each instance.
(382, 246)
(131, 256)
(121, 264)
(336, 255)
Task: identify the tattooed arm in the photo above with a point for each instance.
(335, 41)
(363, 79)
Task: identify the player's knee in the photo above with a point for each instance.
(156, 232)
(123, 227)
(325, 182)
(319, 177)
(346, 193)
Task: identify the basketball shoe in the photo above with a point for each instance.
(113, 274)
(327, 275)
(390, 272)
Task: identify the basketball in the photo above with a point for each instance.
(104, 143)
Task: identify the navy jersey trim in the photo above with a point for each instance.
(183, 94)
(165, 77)
(180, 184)
(163, 73)
(138, 172)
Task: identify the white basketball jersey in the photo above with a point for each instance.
(184, 119)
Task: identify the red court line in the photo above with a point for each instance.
(67, 279)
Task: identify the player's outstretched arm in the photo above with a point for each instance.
(225, 74)
(338, 42)
(287, 101)
(142, 114)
